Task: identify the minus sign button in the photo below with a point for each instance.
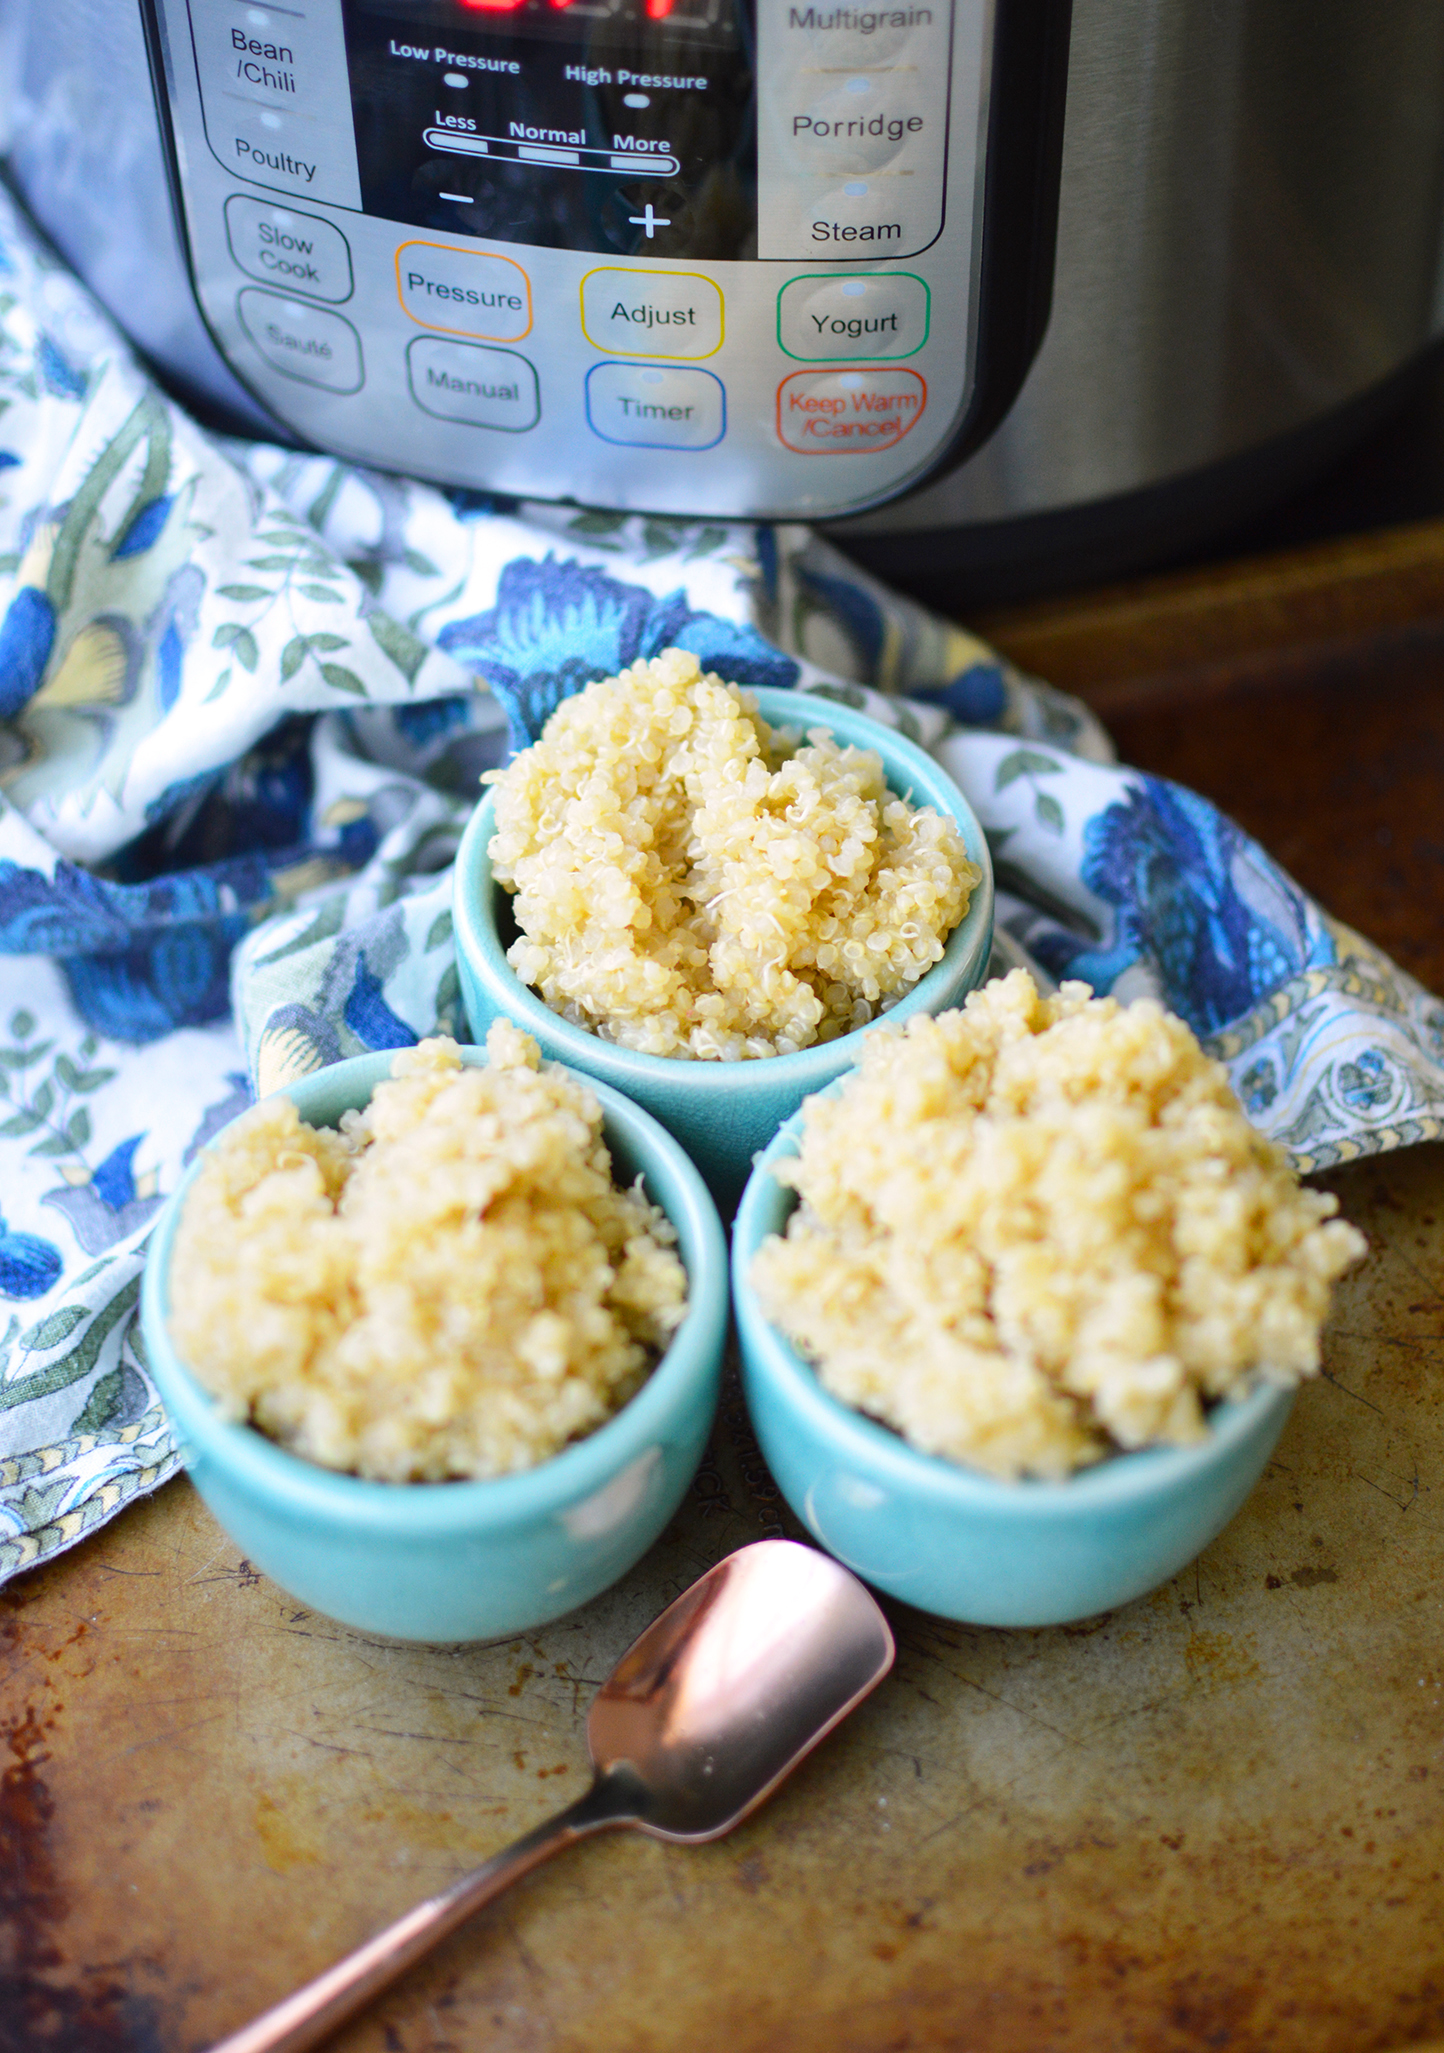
(462, 199)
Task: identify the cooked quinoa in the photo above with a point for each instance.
(451, 1285)
(689, 882)
(1039, 1229)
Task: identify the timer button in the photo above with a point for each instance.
(646, 406)
(827, 318)
(304, 341)
(652, 313)
(848, 413)
(460, 381)
(299, 252)
(464, 291)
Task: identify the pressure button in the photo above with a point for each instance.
(651, 313)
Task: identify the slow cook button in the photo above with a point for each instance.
(464, 291)
(460, 381)
(281, 247)
(848, 413)
(647, 407)
(304, 341)
(873, 314)
(651, 313)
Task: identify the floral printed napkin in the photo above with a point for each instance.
(245, 697)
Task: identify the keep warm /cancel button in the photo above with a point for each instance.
(848, 413)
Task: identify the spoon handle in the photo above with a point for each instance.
(311, 2014)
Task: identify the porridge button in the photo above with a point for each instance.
(304, 341)
(848, 413)
(870, 314)
(651, 313)
(648, 406)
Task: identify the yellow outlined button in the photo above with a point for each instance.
(463, 291)
(652, 313)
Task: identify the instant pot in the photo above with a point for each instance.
(973, 289)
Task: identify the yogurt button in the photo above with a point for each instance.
(869, 314)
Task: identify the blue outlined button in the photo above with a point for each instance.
(647, 406)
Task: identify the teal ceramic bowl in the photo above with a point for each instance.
(721, 1112)
(466, 1560)
(958, 1543)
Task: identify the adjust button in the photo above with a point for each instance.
(651, 313)
(301, 252)
(874, 314)
(464, 291)
(647, 407)
(848, 413)
(304, 341)
(460, 381)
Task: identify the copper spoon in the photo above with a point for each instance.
(697, 1723)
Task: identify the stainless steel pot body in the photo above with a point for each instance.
(1249, 232)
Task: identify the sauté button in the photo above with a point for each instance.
(304, 341)
(874, 314)
(848, 413)
(460, 381)
(651, 313)
(647, 407)
(463, 291)
(299, 252)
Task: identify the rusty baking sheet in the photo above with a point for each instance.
(1212, 1819)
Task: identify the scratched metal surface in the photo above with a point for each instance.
(1210, 1819)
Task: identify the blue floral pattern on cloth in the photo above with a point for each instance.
(245, 699)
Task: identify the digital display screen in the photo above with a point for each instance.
(616, 126)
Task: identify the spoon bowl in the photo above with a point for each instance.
(735, 1682)
(698, 1722)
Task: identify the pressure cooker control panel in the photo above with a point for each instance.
(693, 256)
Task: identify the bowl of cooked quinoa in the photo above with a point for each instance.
(440, 1331)
(699, 894)
(1024, 1302)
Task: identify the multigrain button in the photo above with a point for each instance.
(305, 342)
(822, 318)
(282, 247)
(651, 313)
(461, 381)
(648, 407)
(848, 413)
(464, 291)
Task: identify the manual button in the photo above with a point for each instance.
(651, 313)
